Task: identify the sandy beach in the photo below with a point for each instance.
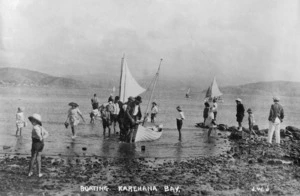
(248, 168)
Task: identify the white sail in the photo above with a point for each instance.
(128, 85)
(213, 90)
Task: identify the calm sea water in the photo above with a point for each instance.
(52, 104)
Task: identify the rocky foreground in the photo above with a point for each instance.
(251, 167)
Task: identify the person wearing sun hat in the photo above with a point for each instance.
(20, 120)
(276, 116)
(135, 115)
(38, 135)
(240, 112)
(73, 117)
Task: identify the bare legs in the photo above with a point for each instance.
(19, 130)
(73, 131)
(35, 156)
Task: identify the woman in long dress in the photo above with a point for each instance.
(73, 117)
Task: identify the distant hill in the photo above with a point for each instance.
(24, 77)
(283, 88)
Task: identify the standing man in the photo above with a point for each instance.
(154, 111)
(240, 112)
(275, 119)
(124, 120)
(134, 115)
(95, 102)
(116, 112)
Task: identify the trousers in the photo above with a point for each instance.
(274, 127)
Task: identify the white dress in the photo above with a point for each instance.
(74, 116)
(20, 120)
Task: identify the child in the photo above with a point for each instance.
(205, 111)
(20, 120)
(94, 114)
(179, 121)
(73, 117)
(38, 135)
(106, 119)
(210, 121)
(251, 122)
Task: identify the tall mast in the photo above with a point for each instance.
(156, 77)
(122, 65)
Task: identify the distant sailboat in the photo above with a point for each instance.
(187, 95)
(128, 85)
(213, 91)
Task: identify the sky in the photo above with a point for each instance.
(236, 41)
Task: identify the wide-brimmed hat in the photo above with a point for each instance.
(130, 98)
(73, 104)
(139, 99)
(36, 117)
(239, 100)
(275, 98)
(154, 103)
(249, 110)
(21, 109)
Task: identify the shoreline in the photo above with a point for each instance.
(248, 168)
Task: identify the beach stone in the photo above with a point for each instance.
(232, 129)
(222, 127)
(250, 161)
(84, 148)
(260, 160)
(292, 129)
(271, 162)
(235, 135)
(6, 147)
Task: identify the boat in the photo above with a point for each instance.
(145, 134)
(130, 87)
(213, 92)
(187, 95)
(149, 133)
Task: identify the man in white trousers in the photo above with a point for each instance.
(275, 119)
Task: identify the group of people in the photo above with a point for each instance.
(275, 118)
(128, 115)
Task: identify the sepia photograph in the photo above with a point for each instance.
(149, 97)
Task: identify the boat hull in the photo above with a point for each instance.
(146, 134)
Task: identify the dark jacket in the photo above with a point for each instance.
(129, 118)
(276, 111)
(205, 112)
(240, 110)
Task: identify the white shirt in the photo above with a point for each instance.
(136, 110)
(154, 110)
(215, 107)
(116, 108)
(181, 116)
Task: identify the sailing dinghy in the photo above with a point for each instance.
(130, 87)
(213, 91)
(149, 133)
